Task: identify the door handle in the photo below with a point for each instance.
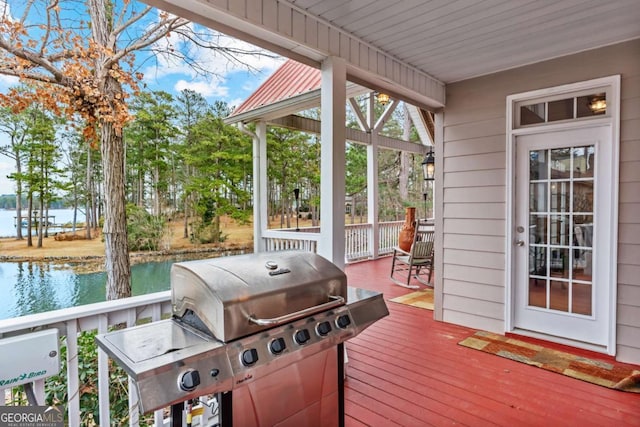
(519, 242)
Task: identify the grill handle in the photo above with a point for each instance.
(335, 302)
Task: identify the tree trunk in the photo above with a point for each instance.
(115, 219)
(41, 219)
(89, 186)
(18, 197)
(29, 218)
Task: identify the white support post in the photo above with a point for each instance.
(372, 178)
(260, 217)
(438, 215)
(332, 159)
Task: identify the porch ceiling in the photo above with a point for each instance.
(457, 40)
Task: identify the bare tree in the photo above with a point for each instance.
(78, 56)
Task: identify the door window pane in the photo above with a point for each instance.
(532, 114)
(538, 292)
(559, 295)
(560, 196)
(538, 229)
(582, 265)
(538, 197)
(559, 227)
(592, 105)
(559, 262)
(538, 261)
(583, 196)
(560, 110)
(561, 163)
(581, 299)
(537, 165)
(583, 231)
(584, 160)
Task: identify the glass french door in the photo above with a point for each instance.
(560, 282)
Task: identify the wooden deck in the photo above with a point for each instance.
(408, 370)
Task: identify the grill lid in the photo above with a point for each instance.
(240, 295)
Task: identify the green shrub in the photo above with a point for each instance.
(207, 233)
(144, 231)
(56, 386)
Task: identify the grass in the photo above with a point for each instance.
(237, 234)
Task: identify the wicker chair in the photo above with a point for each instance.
(416, 263)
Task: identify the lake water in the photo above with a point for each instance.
(61, 216)
(33, 287)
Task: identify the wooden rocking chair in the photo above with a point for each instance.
(416, 263)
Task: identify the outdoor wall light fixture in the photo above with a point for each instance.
(382, 98)
(429, 166)
(428, 170)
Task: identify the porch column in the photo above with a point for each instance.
(260, 217)
(332, 159)
(372, 177)
(438, 214)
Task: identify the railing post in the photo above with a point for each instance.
(103, 375)
(134, 412)
(73, 387)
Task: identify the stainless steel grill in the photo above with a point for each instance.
(264, 331)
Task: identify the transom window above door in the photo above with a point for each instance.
(578, 106)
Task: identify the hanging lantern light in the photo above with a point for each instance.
(429, 166)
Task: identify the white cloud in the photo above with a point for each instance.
(235, 102)
(204, 88)
(8, 81)
(217, 63)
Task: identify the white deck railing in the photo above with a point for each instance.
(357, 239)
(92, 317)
(102, 316)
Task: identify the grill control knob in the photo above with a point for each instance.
(189, 380)
(301, 336)
(323, 328)
(343, 321)
(249, 357)
(277, 346)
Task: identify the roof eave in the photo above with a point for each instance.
(288, 106)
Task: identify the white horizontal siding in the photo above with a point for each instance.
(488, 144)
(474, 210)
(481, 178)
(474, 242)
(481, 259)
(475, 227)
(471, 320)
(476, 291)
(473, 274)
(475, 195)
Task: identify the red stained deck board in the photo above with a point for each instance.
(408, 365)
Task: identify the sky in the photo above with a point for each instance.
(232, 83)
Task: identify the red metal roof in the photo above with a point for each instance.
(291, 79)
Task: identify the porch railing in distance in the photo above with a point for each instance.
(357, 239)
